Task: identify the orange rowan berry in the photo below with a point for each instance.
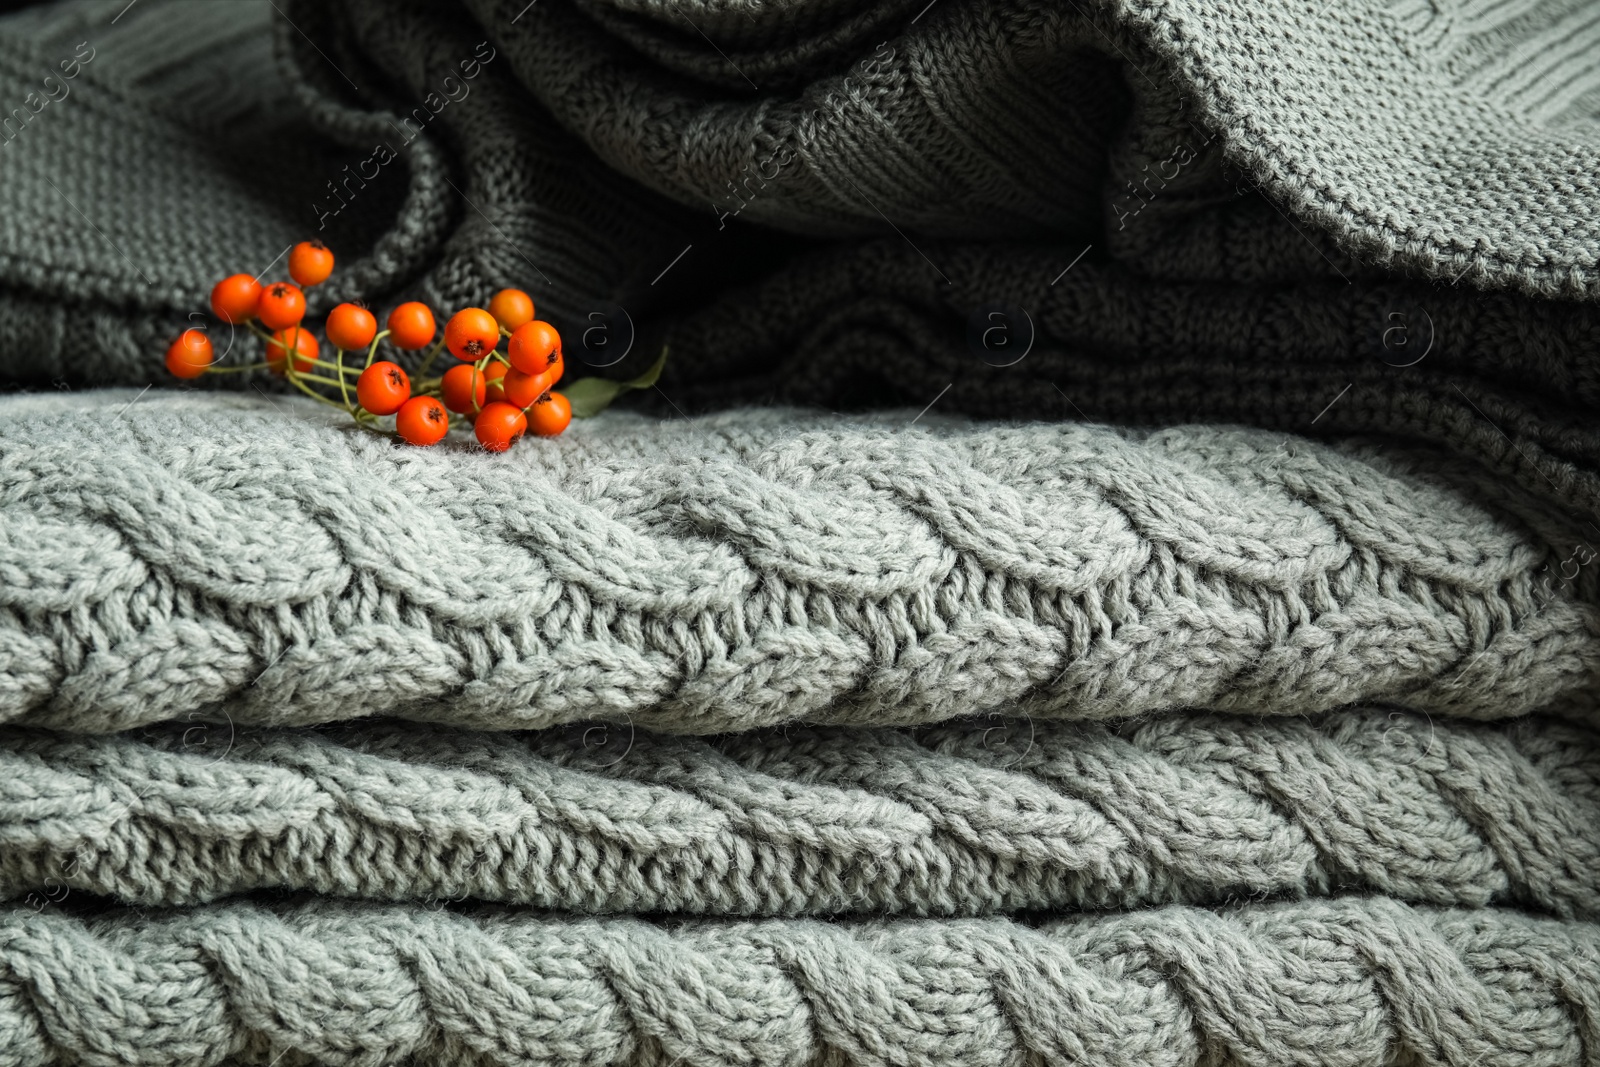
(421, 421)
(511, 308)
(190, 354)
(411, 325)
(350, 326)
(464, 388)
(499, 424)
(550, 414)
(531, 346)
(383, 387)
(471, 334)
(280, 305)
(310, 263)
(233, 299)
(494, 379)
(523, 389)
(293, 338)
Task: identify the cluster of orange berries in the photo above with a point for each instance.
(506, 395)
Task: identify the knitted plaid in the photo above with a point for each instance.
(1353, 982)
(1272, 207)
(1007, 816)
(171, 557)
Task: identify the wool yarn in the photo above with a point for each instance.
(1001, 817)
(1357, 981)
(260, 561)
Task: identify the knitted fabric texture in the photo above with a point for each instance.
(898, 743)
(1206, 212)
(178, 557)
(1009, 816)
(1358, 982)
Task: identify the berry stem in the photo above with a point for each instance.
(322, 364)
(303, 376)
(294, 379)
(433, 354)
(214, 369)
(344, 389)
(372, 349)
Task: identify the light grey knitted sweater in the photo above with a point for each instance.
(1353, 981)
(171, 557)
(227, 562)
(1008, 816)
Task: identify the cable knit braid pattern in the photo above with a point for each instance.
(1004, 816)
(178, 558)
(1353, 982)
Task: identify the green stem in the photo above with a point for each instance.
(303, 376)
(312, 393)
(372, 349)
(344, 389)
(438, 346)
(290, 351)
(322, 364)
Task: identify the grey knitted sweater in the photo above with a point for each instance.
(233, 568)
(1012, 816)
(1127, 727)
(1363, 981)
(257, 561)
(1349, 217)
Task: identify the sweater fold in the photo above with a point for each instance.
(999, 816)
(1356, 981)
(183, 559)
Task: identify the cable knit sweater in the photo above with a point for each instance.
(1004, 816)
(183, 557)
(1363, 981)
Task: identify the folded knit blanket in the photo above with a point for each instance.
(1354, 981)
(259, 561)
(1011, 816)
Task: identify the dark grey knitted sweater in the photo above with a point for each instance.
(1178, 213)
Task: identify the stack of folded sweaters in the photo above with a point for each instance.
(1107, 576)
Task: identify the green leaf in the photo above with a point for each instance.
(590, 396)
(648, 378)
